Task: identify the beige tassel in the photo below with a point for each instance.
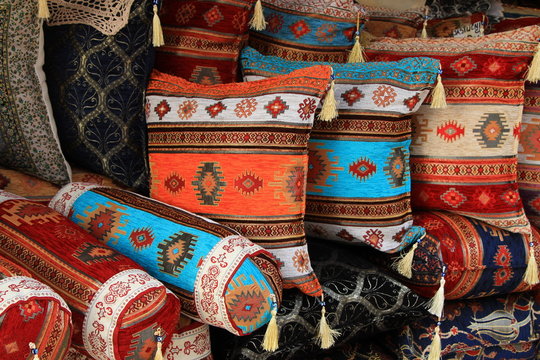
(357, 53)
(424, 26)
(438, 98)
(531, 274)
(326, 336)
(435, 348)
(257, 21)
(159, 340)
(43, 9)
(157, 31)
(436, 304)
(271, 336)
(34, 350)
(329, 108)
(533, 74)
(403, 265)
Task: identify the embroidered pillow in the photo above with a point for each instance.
(190, 342)
(393, 23)
(28, 138)
(203, 39)
(464, 157)
(358, 183)
(31, 313)
(318, 30)
(237, 153)
(88, 275)
(221, 278)
(97, 85)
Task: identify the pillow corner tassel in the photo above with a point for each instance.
(357, 52)
(329, 107)
(438, 98)
(258, 21)
(425, 24)
(157, 30)
(436, 304)
(533, 73)
(435, 347)
(34, 351)
(326, 336)
(43, 9)
(531, 273)
(158, 335)
(403, 265)
(271, 336)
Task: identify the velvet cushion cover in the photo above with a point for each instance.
(361, 301)
(116, 306)
(237, 153)
(464, 157)
(28, 137)
(312, 30)
(358, 183)
(393, 23)
(221, 278)
(31, 312)
(203, 39)
(97, 85)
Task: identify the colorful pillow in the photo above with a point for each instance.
(237, 153)
(459, 26)
(221, 278)
(97, 85)
(190, 342)
(361, 302)
(392, 23)
(320, 30)
(464, 157)
(503, 327)
(203, 39)
(358, 183)
(31, 313)
(116, 306)
(28, 137)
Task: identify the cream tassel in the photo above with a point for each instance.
(403, 265)
(436, 304)
(531, 274)
(271, 336)
(326, 336)
(424, 26)
(329, 107)
(258, 22)
(357, 53)
(157, 31)
(34, 350)
(438, 98)
(435, 348)
(533, 74)
(43, 9)
(159, 340)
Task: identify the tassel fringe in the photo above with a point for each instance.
(531, 274)
(157, 31)
(533, 73)
(271, 336)
(34, 350)
(357, 53)
(436, 304)
(329, 107)
(326, 336)
(403, 265)
(257, 21)
(438, 98)
(43, 9)
(424, 30)
(159, 340)
(435, 348)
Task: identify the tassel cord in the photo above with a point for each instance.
(271, 336)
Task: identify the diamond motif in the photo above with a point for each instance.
(175, 252)
(463, 65)
(326, 33)
(162, 109)
(93, 254)
(511, 197)
(174, 183)
(274, 23)
(450, 131)
(374, 237)
(213, 16)
(307, 108)
(362, 169)
(141, 238)
(411, 102)
(248, 183)
(397, 167)
(535, 203)
(453, 198)
(214, 109)
(276, 107)
(208, 183)
(299, 29)
(205, 75)
(296, 183)
(351, 96)
(492, 130)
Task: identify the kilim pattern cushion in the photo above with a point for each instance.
(504, 327)
(529, 154)
(358, 183)
(31, 312)
(396, 24)
(464, 157)
(28, 138)
(221, 278)
(462, 26)
(361, 302)
(97, 85)
(237, 153)
(116, 306)
(190, 342)
(203, 39)
(308, 30)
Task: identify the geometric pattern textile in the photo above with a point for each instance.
(203, 39)
(237, 154)
(361, 302)
(97, 85)
(503, 327)
(462, 26)
(221, 278)
(464, 157)
(190, 342)
(28, 137)
(116, 307)
(307, 30)
(31, 312)
(358, 183)
(396, 24)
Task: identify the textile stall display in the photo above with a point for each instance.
(116, 306)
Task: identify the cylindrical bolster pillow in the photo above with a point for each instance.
(190, 342)
(116, 305)
(31, 313)
(222, 278)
